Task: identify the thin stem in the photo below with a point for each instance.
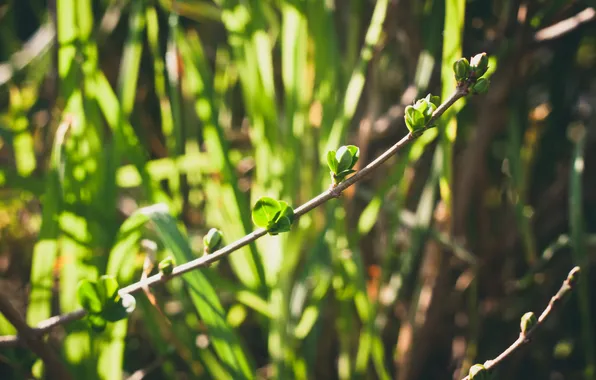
(555, 301)
(325, 196)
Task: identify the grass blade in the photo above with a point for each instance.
(356, 84)
(203, 295)
(578, 237)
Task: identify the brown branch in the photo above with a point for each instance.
(41, 41)
(524, 338)
(563, 27)
(54, 366)
(333, 192)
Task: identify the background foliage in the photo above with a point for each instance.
(205, 106)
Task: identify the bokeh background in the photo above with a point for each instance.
(417, 272)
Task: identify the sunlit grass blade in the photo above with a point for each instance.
(131, 58)
(356, 84)
(125, 264)
(126, 142)
(411, 154)
(22, 140)
(326, 60)
(197, 10)
(205, 300)
(73, 25)
(408, 284)
(46, 249)
(577, 222)
(174, 137)
(298, 89)
(452, 51)
(233, 218)
(517, 170)
(159, 67)
(251, 48)
(240, 294)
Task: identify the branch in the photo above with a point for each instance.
(563, 27)
(54, 366)
(524, 337)
(334, 192)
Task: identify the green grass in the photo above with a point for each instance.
(192, 110)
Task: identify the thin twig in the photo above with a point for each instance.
(331, 193)
(563, 27)
(141, 373)
(524, 338)
(50, 358)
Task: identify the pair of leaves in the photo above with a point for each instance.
(341, 163)
(273, 215)
(102, 302)
(419, 115)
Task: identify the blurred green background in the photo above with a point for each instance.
(417, 272)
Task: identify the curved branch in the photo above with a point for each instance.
(524, 338)
(333, 192)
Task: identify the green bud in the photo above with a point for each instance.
(481, 86)
(434, 99)
(478, 372)
(212, 240)
(414, 118)
(422, 106)
(166, 266)
(429, 107)
(528, 321)
(461, 69)
(479, 65)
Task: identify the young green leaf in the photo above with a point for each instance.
(88, 296)
(264, 211)
(344, 174)
(107, 289)
(286, 211)
(115, 311)
(96, 322)
(283, 224)
(355, 152)
(409, 117)
(436, 100)
(414, 119)
(332, 161)
(344, 159)
(422, 105)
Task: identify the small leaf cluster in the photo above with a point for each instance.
(471, 72)
(417, 116)
(273, 215)
(342, 161)
(102, 302)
